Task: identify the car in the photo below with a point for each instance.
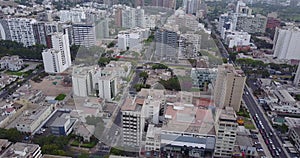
(267, 142)
(116, 133)
(247, 93)
(279, 150)
(270, 141)
(273, 147)
(256, 143)
(277, 153)
(270, 133)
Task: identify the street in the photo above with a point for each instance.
(266, 129)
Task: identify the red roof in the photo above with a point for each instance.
(9, 110)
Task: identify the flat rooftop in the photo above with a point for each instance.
(188, 118)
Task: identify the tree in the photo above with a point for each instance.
(11, 134)
(225, 60)
(111, 44)
(144, 74)
(103, 61)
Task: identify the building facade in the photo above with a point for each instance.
(166, 45)
(84, 34)
(286, 43)
(226, 128)
(229, 87)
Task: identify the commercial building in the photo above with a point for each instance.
(237, 39)
(226, 128)
(62, 125)
(203, 78)
(286, 43)
(283, 102)
(32, 119)
(11, 63)
(23, 150)
(251, 23)
(152, 142)
(229, 87)
(188, 130)
(166, 45)
(84, 34)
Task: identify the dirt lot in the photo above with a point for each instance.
(52, 86)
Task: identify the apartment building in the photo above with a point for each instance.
(132, 123)
(11, 63)
(251, 23)
(226, 128)
(237, 39)
(133, 17)
(286, 43)
(166, 45)
(294, 135)
(84, 34)
(229, 87)
(19, 30)
(203, 78)
(132, 39)
(23, 150)
(107, 87)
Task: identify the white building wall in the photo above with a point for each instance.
(286, 43)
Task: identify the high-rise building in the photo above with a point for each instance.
(102, 29)
(107, 87)
(226, 128)
(286, 43)
(132, 123)
(84, 34)
(251, 24)
(82, 81)
(133, 17)
(164, 3)
(166, 44)
(53, 61)
(132, 39)
(297, 76)
(191, 6)
(19, 30)
(58, 58)
(118, 17)
(229, 87)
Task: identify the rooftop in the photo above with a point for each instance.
(21, 150)
(228, 114)
(188, 118)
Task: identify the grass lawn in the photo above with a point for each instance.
(243, 112)
(249, 125)
(60, 97)
(17, 73)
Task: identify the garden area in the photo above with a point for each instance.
(60, 97)
(78, 142)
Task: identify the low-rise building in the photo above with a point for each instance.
(203, 78)
(32, 119)
(85, 131)
(23, 150)
(63, 125)
(11, 63)
(132, 39)
(284, 102)
(237, 39)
